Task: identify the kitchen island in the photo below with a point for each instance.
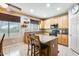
(51, 41)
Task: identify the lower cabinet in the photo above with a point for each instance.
(63, 39)
(53, 48)
(60, 39)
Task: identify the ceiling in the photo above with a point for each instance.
(42, 11)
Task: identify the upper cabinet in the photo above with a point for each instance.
(59, 21)
(41, 25)
(62, 22)
(47, 24)
(53, 20)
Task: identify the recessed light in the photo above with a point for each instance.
(47, 5)
(44, 16)
(31, 10)
(58, 9)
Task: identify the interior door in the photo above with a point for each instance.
(73, 35)
(77, 44)
(74, 31)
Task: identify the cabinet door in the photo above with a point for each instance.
(60, 22)
(64, 40)
(41, 25)
(47, 24)
(60, 39)
(65, 22)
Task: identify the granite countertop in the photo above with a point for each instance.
(46, 38)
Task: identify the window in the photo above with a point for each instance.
(3, 28)
(34, 25)
(11, 29)
(14, 29)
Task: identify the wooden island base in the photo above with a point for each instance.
(52, 50)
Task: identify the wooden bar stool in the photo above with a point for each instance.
(37, 48)
(33, 46)
(40, 49)
(1, 46)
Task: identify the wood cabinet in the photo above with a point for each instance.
(52, 48)
(65, 22)
(59, 39)
(62, 22)
(63, 39)
(47, 24)
(59, 22)
(41, 25)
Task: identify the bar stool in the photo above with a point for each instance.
(36, 45)
(37, 48)
(33, 45)
(29, 44)
(1, 47)
(42, 48)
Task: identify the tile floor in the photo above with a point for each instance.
(65, 51)
(20, 49)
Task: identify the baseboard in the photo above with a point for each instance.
(63, 44)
